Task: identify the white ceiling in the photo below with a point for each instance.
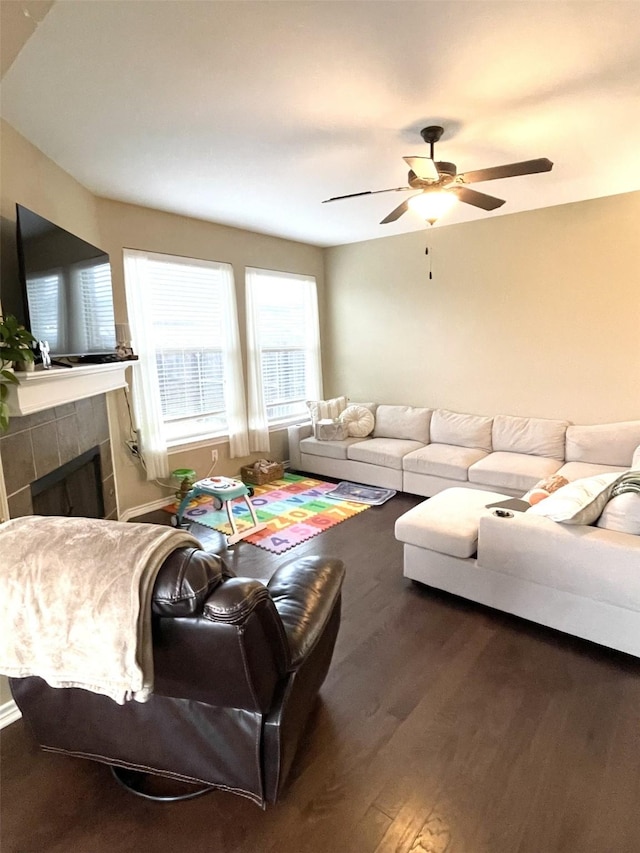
(251, 113)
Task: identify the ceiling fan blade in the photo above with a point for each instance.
(527, 167)
(424, 167)
(366, 192)
(486, 202)
(396, 213)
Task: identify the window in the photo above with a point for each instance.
(183, 319)
(283, 345)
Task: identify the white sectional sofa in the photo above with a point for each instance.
(580, 578)
(423, 451)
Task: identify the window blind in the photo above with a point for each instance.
(285, 331)
(186, 318)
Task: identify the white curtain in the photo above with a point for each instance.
(146, 391)
(258, 423)
(234, 381)
(313, 361)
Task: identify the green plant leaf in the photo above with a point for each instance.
(8, 376)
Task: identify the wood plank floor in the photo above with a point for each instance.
(443, 727)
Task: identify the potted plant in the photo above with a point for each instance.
(15, 346)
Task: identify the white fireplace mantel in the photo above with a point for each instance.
(42, 389)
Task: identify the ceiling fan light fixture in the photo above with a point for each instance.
(432, 205)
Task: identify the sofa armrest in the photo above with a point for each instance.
(296, 433)
(305, 594)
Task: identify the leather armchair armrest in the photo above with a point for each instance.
(305, 594)
(234, 601)
(245, 604)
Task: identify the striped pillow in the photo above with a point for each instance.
(322, 409)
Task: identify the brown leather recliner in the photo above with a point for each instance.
(238, 664)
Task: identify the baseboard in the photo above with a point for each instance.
(9, 713)
(135, 511)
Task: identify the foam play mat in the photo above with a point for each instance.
(294, 508)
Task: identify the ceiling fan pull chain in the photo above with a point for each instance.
(426, 251)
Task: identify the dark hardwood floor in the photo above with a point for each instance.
(442, 726)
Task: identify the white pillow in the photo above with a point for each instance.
(404, 422)
(622, 513)
(359, 420)
(326, 409)
(580, 502)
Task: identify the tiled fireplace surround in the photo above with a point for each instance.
(37, 444)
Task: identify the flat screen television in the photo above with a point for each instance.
(66, 289)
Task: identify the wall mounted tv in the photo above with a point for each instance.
(66, 289)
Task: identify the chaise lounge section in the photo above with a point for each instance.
(578, 578)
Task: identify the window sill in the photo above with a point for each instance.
(199, 441)
(196, 443)
(292, 421)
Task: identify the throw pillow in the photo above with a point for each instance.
(543, 488)
(622, 513)
(326, 409)
(359, 421)
(580, 502)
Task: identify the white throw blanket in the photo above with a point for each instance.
(75, 601)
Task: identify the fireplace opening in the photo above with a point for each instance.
(74, 489)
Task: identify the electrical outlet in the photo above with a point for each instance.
(133, 448)
(214, 456)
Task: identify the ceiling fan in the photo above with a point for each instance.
(440, 185)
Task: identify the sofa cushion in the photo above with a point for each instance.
(404, 422)
(607, 444)
(442, 460)
(329, 449)
(321, 409)
(462, 430)
(536, 436)
(359, 420)
(622, 513)
(578, 470)
(447, 522)
(387, 452)
(516, 471)
(580, 502)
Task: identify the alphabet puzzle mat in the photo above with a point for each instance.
(294, 508)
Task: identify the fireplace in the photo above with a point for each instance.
(39, 444)
(73, 489)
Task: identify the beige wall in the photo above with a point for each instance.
(533, 313)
